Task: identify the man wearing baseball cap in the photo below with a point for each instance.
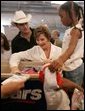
(24, 39)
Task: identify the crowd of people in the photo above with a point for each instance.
(40, 45)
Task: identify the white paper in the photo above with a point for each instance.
(50, 79)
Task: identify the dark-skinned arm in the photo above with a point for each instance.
(58, 63)
(75, 35)
(68, 84)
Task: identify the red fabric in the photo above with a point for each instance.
(41, 76)
(32, 71)
(28, 71)
(59, 78)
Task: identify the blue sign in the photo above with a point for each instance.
(31, 97)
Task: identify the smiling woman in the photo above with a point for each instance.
(43, 52)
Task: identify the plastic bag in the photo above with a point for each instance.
(77, 100)
(56, 99)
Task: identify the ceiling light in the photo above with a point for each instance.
(58, 2)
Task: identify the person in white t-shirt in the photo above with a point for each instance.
(70, 61)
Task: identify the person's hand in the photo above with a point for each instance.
(55, 65)
(11, 87)
(15, 70)
(14, 86)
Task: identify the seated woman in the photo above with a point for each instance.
(44, 52)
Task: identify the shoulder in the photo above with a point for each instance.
(36, 47)
(55, 47)
(76, 32)
(16, 37)
(35, 50)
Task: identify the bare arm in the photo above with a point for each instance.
(75, 35)
(17, 57)
(70, 85)
(10, 88)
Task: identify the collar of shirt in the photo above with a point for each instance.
(27, 38)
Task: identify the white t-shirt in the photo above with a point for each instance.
(75, 59)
